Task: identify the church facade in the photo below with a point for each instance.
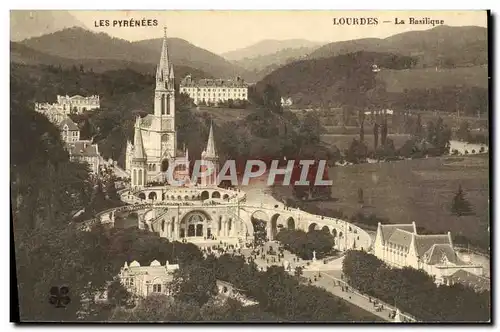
(154, 146)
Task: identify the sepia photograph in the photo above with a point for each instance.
(250, 166)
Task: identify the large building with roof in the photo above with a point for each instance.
(69, 130)
(145, 280)
(214, 91)
(400, 245)
(68, 105)
(85, 152)
(155, 136)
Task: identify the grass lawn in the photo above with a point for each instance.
(414, 190)
(428, 78)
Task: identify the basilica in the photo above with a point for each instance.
(154, 145)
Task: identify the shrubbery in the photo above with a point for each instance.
(303, 244)
(414, 291)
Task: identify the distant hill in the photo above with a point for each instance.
(78, 43)
(268, 46)
(22, 54)
(262, 65)
(442, 46)
(344, 79)
(34, 23)
(186, 54)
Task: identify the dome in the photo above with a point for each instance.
(155, 263)
(135, 264)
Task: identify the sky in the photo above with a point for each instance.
(223, 31)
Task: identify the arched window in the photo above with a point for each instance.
(162, 104)
(168, 104)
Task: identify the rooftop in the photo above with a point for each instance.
(218, 82)
(83, 149)
(425, 242)
(401, 237)
(68, 122)
(479, 283)
(437, 253)
(389, 229)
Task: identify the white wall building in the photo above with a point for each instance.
(78, 104)
(85, 152)
(69, 130)
(68, 105)
(146, 280)
(214, 90)
(399, 245)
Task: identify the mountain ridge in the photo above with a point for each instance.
(78, 43)
(267, 47)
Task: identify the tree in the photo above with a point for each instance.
(194, 283)
(360, 196)
(375, 135)
(117, 294)
(460, 206)
(299, 271)
(272, 99)
(463, 133)
(383, 132)
(361, 119)
(418, 127)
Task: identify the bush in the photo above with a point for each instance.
(414, 291)
(303, 244)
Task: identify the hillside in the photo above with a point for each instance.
(33, 23)
(262, 65)
(78, 43)
(184, 53)
(347, 80)
(267, 47)
(442, 46)
(24, 55)
(334, 81)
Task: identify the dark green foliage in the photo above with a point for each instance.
(357, 152)
(460, 206)
(303, 244)
(117, 294)
(194, 283)
(414, 291)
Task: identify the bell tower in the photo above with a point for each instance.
(164, 105)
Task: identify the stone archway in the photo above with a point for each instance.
(196, 223)
(205, 195)
(226, 196)
(334, 232)
(312, 227)
(142, 196)
(152, 195)
(216, 194)
(326, 229)
(290, 223)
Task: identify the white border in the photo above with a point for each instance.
(191, 4)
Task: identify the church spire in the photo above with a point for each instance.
(139, 153)
(210, 151)
(164, 67)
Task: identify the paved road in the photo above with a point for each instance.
(329, 274)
